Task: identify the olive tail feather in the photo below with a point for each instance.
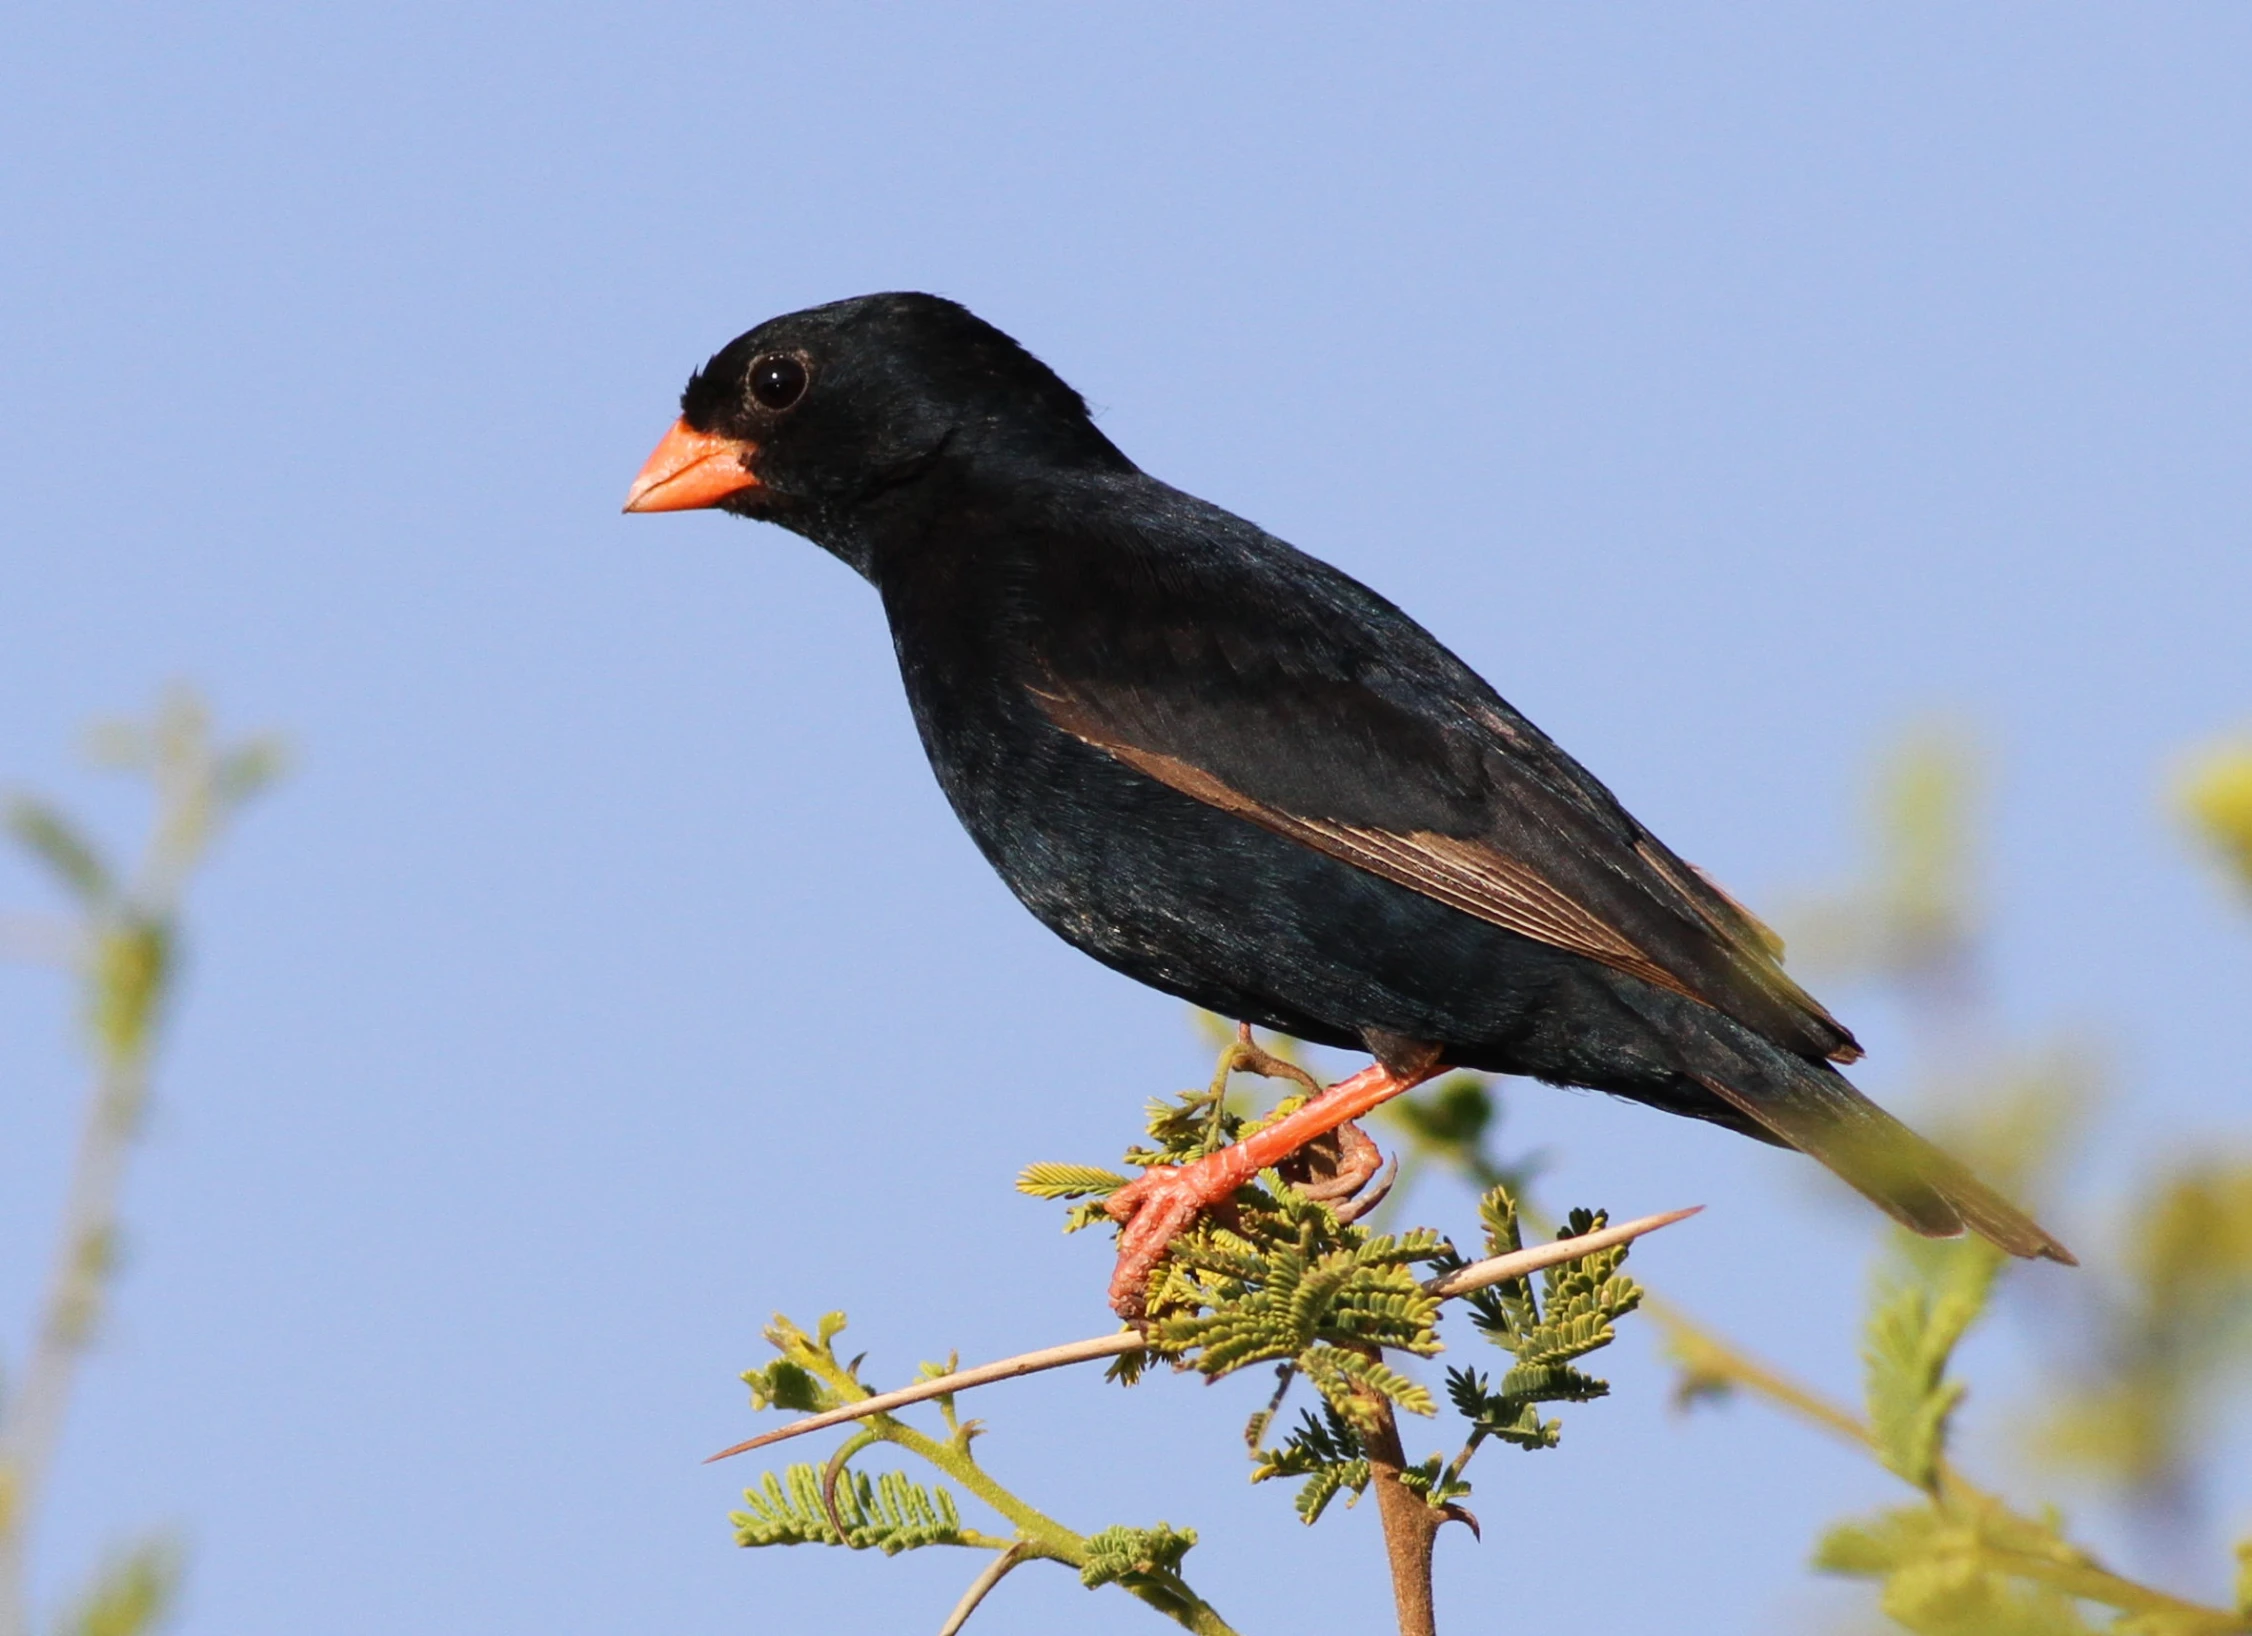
(1908, 1178)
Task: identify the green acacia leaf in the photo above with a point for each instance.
(132, 1595)
(56, 841)
(1125, 1555)
(890, 1513)
(1063, 1181)
(1913, 1330)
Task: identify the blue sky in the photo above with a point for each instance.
(1730, 384)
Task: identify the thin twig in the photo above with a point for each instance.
(119, 947)
(1494, 1269)
(1707, 1357)
(1447, 1286)
(845, 1451)
(984, 1374)
(995, 1572)
(77, 1285)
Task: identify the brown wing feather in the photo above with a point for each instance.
(1459, 873)
(1418, 797)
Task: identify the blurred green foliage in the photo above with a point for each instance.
(120, 939)
(2169, 1331)
(1915, 914)
(130, 1594)
(2216, 793)
(2147, 1336)
(1960, 1559)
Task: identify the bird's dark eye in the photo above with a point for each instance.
(777, 380)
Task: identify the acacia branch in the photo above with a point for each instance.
(1708, 1359)
(1447, 1287)
(995, 1572)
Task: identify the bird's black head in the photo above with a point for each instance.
(812, 417)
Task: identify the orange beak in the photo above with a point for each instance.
(690, 470)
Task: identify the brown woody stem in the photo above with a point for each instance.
(1410, 1525)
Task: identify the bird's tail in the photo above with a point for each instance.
(1819, 1112)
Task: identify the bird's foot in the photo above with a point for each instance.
(1158, 1206)
(1338, 1170)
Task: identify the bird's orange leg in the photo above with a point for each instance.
(1155, 1208)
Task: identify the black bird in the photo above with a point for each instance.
(1232, 772)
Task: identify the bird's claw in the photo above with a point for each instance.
(1159, 1205)
(1154, 1209)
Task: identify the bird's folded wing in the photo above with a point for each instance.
(1407, 766)
(1461, 874)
